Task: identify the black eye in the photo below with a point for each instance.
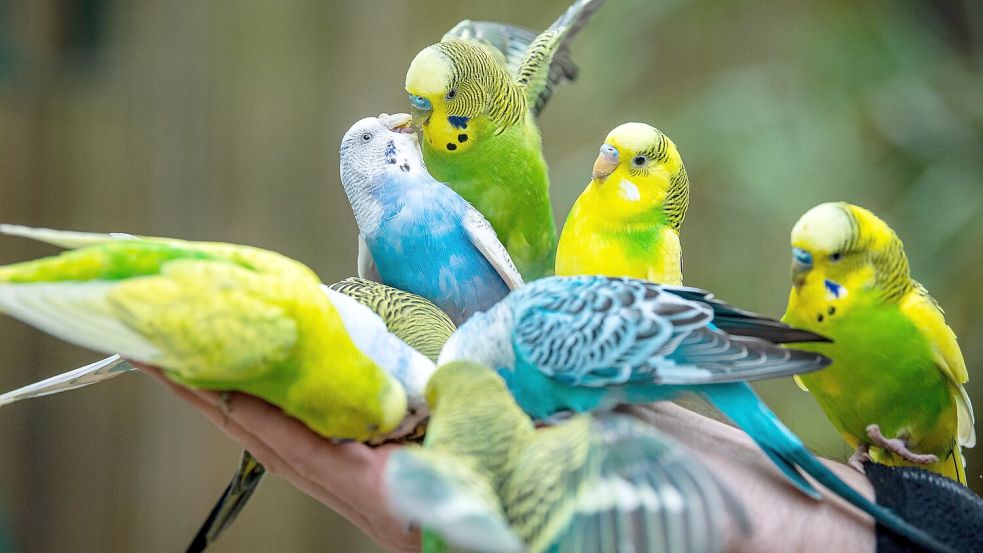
(638, 161)
(836, 256)
(451, 93)
(366, 137)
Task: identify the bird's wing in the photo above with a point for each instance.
(104, 369)
(442, 494)
(506, 43)
(599, 331)
(735, 320)
(175, 307)
(546, 61)
(68, 240)
(929, 318)
(483, 236)
(366, 265)
(612, 483)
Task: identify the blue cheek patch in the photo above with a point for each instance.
(835, 290)
(390, 152)
(458, 122)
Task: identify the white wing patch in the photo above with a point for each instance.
(92, 373)
(483, 236)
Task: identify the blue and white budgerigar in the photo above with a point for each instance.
(415, 233)
(592, 342)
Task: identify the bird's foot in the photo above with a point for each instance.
(899, 447)
(859, 457)
(225, 403)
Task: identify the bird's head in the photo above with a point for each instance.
(839, 247)
(448, 86)
(377, 145)
(641, 167)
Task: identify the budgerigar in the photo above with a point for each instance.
(476, 95)
(225, 317)
(592, 342)
(416, 321)
(626, 223)
(895, 387)
(486, 481)
(417, 234)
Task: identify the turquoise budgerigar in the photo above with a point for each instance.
(225, 317)
(415, 233)
(487, 481)
(476, 95)
(592, 342)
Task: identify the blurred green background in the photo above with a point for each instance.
(221, 121)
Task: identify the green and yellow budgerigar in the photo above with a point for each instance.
(895, 388)
(626, 223)
(225, 317)
(476, 95)
(413, 319)
(487, 481)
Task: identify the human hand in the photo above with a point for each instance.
(345, 477)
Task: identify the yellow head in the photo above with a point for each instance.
(838, 248)
(450, 85)
(637, 168)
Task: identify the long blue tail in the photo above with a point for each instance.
(742, 405)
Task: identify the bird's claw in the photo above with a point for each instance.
(899, 447)
(859, 457)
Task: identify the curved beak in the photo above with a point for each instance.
(421, 109)
(398, 122)
(606, 163)
(801, 265)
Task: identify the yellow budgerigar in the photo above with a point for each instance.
(895, 388)
(626, 223)
(224, 317)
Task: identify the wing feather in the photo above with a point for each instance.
(483, 236)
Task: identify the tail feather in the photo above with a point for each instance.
(228, 507)
(104, 369)
(745, 408)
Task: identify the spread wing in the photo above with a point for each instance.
(506, 43)
(612, 483)
(178, 309)
(104, 369)
(928, 316)
(546, 61)
(599, 331)
(483, 236)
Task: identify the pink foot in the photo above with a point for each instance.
(859, 457)
(898, 447)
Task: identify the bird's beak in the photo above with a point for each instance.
(606, 163)
(421, 109)
(398, 122)
(801, 265)
(420, 117)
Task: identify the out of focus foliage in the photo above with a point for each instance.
(221, 120)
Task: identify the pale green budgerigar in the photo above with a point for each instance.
(412, 318)
(487, 481)
(224, 317)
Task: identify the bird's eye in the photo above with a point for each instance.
(366, 137)
(836, 257)
(638, 161)
(451, 94)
